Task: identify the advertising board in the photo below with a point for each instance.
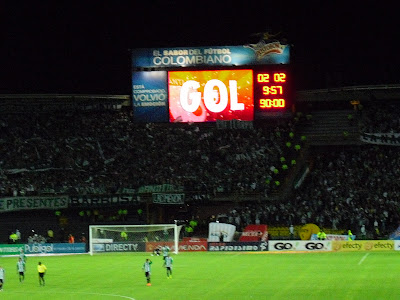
(237, 246)
(291, 245)
(211, 95)
(209, 84)
(262, 53)
(120, 247)
(363, 245)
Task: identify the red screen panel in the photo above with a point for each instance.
(208, 96)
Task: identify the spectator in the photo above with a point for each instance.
(71, 239)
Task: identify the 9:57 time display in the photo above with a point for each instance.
(271, 91)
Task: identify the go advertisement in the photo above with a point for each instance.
(300, 245)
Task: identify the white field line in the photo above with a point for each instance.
(363, 258)
(80, 293)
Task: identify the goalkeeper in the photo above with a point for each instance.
(157, 251)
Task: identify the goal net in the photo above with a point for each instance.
(133, 238)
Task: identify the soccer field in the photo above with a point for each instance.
(210, 275)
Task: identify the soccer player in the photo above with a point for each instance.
(2, 277)
(165, 250)
(22, 256)
(21, 269)
(168, 265)
(147, 270)
(41, 270)
(157, 251)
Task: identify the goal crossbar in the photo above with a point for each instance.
(109, 238)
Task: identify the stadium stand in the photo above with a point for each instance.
(90, 146)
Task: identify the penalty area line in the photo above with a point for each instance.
(363, 258)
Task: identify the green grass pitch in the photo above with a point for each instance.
(210, 275)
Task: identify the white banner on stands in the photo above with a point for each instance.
(216, 231)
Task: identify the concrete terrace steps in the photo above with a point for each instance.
(329, 127)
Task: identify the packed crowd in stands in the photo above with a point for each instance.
(347, 187)
(105, 152)
(381, 118)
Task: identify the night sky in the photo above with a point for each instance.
(84, 48)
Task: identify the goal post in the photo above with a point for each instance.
(133, 238)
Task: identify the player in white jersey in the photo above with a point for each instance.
(165, 250)
(168, 265)
(2, 277)
(22, 256)
(21, 269)
(147, 270)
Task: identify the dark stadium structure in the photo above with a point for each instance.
(68, 161)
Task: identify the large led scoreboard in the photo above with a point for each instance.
(209, 84)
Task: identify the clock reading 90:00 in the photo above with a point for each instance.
(270, 90)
